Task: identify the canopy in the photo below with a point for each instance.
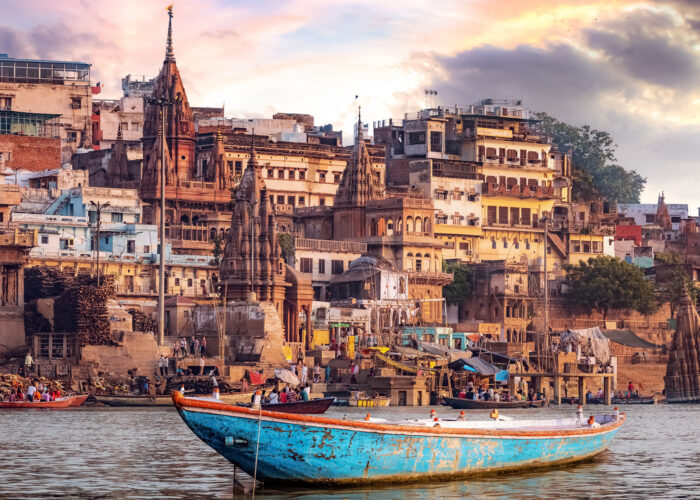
(440, 350)
(287, 376)
(257, 378)
(400, 366)
(497, 357)
(630, 339)
(591, 338)
(477, 365)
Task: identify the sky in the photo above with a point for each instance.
(631, 68)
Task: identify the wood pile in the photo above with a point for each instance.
(83, 309)
(43, 282)
(683, 369)
(142, 322)
(11, 382)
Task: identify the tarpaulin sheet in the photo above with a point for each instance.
(256, 378)
(476, 364)
(502, 376)
(630, 339)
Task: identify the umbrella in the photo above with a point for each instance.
(287, 376)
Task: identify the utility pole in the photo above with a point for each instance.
(98, 209)
(545, 220)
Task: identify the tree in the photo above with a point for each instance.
(593, 157)
(673, 281)
(218, 249)
(463, 285)
(606, 283)
(286, 242)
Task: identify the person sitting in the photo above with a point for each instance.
(283, 395)
(486, 395)
(274, 397)
(291, 396)
(497, 397)
(305, 393)
(12, 398)
(46, 397)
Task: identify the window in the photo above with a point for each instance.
(321, 266)
(322, 176)
(525, 216)
(72, 136)
(596, 247)
(189, 282)
(582, 216)
(440, 194)
(650, 218)
(322, 202)
(130, 246)
(336, 267)
(292, 174)
(436, 142)
(491, 215)
(586, 247)
(576, 247)
(675, 219)
(5, 103)
(516, 244)
(76, 103)
(135, 126)
(177, 281)
(505, 243)
(503, 215)
(146, 249)
(124, 125)
(464, 245)
(44, 239)
(229, 167)
(514, 215)
(280, 199)
(117, 217)
(527, 244)
(416, 138)
(270, 173)
(336, 178)
(493, 242)
(302, 175)
(419, 265)
(302, 201)
(290, 200)
(239, 167)
(280, 174)
(306, 265)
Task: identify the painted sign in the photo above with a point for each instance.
(495, 132)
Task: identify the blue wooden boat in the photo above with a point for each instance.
(289, 448)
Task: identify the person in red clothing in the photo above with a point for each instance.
(283, 395)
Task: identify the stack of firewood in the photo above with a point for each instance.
(83, 309)
(142, 322)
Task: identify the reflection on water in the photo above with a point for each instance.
(117, 453)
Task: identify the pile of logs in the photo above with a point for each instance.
(142, 322)
(83, 309)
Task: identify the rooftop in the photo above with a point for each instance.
(42, 71)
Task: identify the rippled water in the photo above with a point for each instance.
(138, 453)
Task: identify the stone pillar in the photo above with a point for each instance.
(581, 390)
(557, 390)
(606, 390)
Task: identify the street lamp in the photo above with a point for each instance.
(162, 104)
(98, 209)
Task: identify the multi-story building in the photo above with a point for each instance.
(56, 89)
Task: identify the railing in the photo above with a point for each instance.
(330, 245)
(189, 233)
(516, 190)
(17, 237)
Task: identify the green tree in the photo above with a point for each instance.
(286, 242)
(673, 280)
(463, 285)
(218, 249)
(593, 156)
(606, 283)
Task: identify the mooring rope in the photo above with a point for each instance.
(257, 449)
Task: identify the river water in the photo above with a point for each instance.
(144, 453)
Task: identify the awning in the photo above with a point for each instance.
(478, 365)
(354, 275)
(440, 350)
(400, 366)
(629, 339)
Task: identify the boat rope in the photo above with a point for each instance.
(257, 449)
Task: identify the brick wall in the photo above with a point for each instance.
(30, 153)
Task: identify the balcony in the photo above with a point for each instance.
(430, 278)
(18, 238)
(515, 190)
(330, 245)
(188, 233)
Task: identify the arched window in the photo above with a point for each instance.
(390, 227)
(212, 233)
(426, 225)
(373, 227)
(409, 224)
(381, 227)
(426, 262)
(419, 225)
(399, 226)
(184, 220)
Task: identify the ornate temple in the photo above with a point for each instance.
(194, 203)
(361, 183)
(683, 369)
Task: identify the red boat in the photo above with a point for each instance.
(310, 407)
(46, 405)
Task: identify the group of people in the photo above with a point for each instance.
(286, 395)
(302, 371)
(497, 395)
(35, 392)
(197, 347)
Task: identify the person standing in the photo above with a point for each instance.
(328, 373)
(317, 373)
(161, 365)
(176, 349)
(304, 374)
(203, 346)
(29, 363)
(196, 347)
(31, 390)
(183, 347)
(201, 366)
(192, 346)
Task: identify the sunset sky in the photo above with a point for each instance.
(631, 68)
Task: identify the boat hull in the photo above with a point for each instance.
(70, 401)
(310, 407)
(369, 402)
(470, 404)
(145, 401)
(317, 450)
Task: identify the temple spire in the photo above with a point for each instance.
(359, 123)
(119, 132)
(169, 52)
